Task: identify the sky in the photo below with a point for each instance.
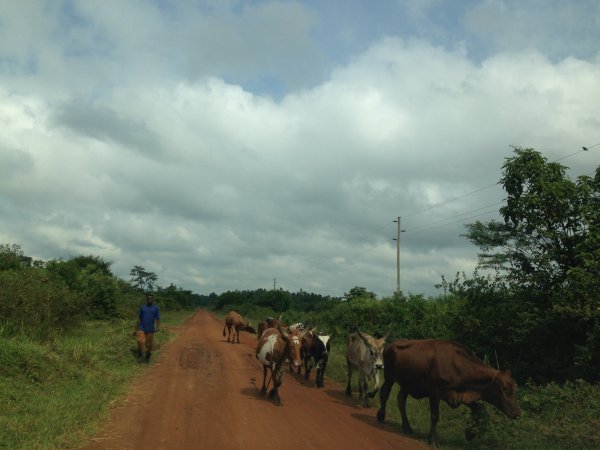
(239, 145)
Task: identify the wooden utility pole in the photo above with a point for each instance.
(397, 239)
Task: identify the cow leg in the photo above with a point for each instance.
(263, 390)
(384, 393)
(307, 367)
(321, 375)
(277, 380)
(475, 422)
(434, 413)
(363, 390)
(376, 376)
(402, 396)
(349, 386)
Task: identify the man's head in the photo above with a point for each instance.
(149, 298)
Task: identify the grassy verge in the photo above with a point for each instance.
(54, 393)
(553, 417)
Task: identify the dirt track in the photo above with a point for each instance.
(204, 393)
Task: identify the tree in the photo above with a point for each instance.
(546, 254)
(359, 292)
(142, 280)
(12, 257)
(547, 223)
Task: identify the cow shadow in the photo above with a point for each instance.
(340, 397)
(253, 391)
(369, 417)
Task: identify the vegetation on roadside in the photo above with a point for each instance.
(66, 344)
(53, 392)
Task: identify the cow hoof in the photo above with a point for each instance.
(263, 391)
(381, 416)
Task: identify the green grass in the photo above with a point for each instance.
(553, 417)
(54, 393)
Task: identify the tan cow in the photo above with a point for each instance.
(444, 370)
(234, 321)
(365, 354)
(274, 347)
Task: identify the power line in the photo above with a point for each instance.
(434, 225)
(583, 149)
(410, 230)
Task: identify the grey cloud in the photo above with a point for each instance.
(105, 124)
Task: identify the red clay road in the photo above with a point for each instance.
(203, 393)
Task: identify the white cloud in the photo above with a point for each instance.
(214, 186)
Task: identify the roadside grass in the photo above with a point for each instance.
(54, 393)
(552, 416)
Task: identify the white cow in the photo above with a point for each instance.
(365, 354)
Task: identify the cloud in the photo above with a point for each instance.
(139, 140)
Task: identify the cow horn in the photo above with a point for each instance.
(362, 336)
(283, 333)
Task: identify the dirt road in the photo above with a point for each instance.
(203, 393)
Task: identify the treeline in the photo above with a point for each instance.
(46, 298)
(533, 305)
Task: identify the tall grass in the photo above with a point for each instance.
(54, 392)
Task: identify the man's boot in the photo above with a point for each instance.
(148, 355)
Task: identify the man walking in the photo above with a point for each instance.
(148, 315)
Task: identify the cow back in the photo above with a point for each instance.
(233, 319)
(450, 371)
(270, 347)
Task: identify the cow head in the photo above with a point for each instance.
(375, 348)
(249, 328)
(293, 345)
(503, 394)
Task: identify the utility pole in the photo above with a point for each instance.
(274, 283)
(397, 239)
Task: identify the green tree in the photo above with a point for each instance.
(12, 257)
(546, 257)
(142, 280)
(358, 292)
(547, 223)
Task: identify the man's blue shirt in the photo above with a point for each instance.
(148, 314)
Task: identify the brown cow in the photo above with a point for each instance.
(235, 321)
(269, 323)
(443, 370)
(274, 347)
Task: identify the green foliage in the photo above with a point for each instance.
(541, 311)
(358, 292)
(142, 280)
(54, 391)
(32, 301)
(13, 258)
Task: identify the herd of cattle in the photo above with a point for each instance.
(429, 368)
